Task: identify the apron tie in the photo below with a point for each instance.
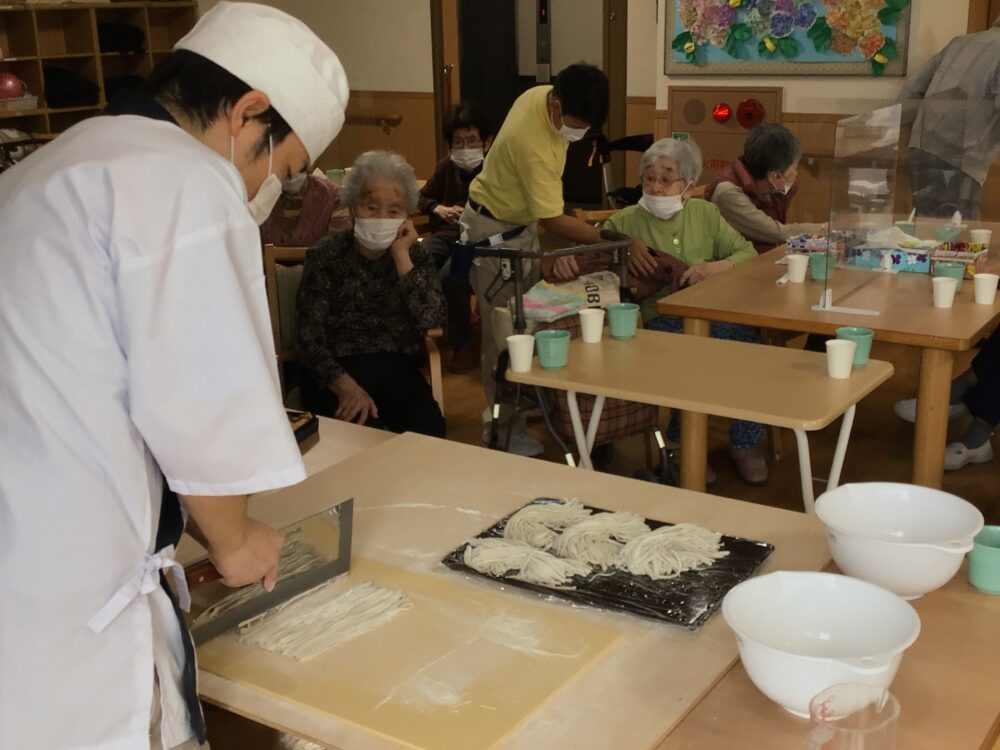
(144, 582)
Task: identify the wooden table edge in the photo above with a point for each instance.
(526, 378)
(815, 326)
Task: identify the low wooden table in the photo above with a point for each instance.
(748, 295)
(417, 498)
(771, 385)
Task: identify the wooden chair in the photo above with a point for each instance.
(282, 274)
(598, 216)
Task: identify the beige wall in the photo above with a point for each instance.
(643, 66)
(384, 45)
(933, 24)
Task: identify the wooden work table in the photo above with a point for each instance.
(417, 498)
(749, 295)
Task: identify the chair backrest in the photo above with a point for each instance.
(282, 274)
(598, 216)
(698, 191)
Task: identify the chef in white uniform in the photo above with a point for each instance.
(136, 362)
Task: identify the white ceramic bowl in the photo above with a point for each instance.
(800, 633)
(908, 539)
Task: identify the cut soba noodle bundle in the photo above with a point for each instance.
(514, 559)
(539, 524)
(316, 621)
(598, 540)
(671, 550)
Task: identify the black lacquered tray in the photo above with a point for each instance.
(688, 600)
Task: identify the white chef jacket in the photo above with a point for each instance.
(134, 337)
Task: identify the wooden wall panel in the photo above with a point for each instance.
(640, 112)
(414, 138)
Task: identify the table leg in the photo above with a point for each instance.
(838, 455)
(595, 420)
(805, 471)
(694, 429)
(578, 431)
(931, 434)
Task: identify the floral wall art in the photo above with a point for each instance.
(787, 37)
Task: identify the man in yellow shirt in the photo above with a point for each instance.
(520, 187)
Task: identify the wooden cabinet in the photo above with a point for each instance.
(42, 43)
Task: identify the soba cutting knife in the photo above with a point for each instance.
(327, 536)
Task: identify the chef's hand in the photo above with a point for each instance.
(641, 262)
(254, 560)
(406, 238)
(566, 268)
(353, 402)
(449, 214)
(702, 271)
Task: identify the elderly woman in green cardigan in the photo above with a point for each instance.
(667, 220)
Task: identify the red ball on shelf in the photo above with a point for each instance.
(722, 112)
(11, 87)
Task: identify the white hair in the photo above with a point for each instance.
(685, 154)
(374, 165)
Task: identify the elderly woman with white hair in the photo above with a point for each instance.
(366, 298)
(668, 221)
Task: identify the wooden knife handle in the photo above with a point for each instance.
(201, 573)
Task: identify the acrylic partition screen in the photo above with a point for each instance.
(911, 184)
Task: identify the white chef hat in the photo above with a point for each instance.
(276, 53)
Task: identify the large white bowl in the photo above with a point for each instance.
(800, 633)
(908, 539)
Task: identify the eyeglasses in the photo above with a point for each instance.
(469, 141)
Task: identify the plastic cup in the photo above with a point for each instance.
(623, 319)
(592, 325)
(944, 291)
(853, 717)
(797, 266)
(820, 266)
(981, 236)
(862, 338)
(984, 560)
(521, 348)
(909, 227)
(840, 358)
(553, 349)
(954, 270)
(948, 233)
(986, 287)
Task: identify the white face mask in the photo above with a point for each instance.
(663, 206)
(376, 234)
(467, 158)
(572, 134)
(263, 202)
(783, 190)
(293, 185)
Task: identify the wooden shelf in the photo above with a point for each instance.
(66, 36)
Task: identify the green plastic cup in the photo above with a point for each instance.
(553, 349)
(623, 318)
(820, 266)
(953, 270)
(984, 560)
(862, 337)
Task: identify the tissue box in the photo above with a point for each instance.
(889, 259)
(959, 252)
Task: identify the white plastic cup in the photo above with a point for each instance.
(592, 325)
(798, 266)
(521, 348)
(981, 236)
(840, 358)
(986, 287)
(944, 291)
